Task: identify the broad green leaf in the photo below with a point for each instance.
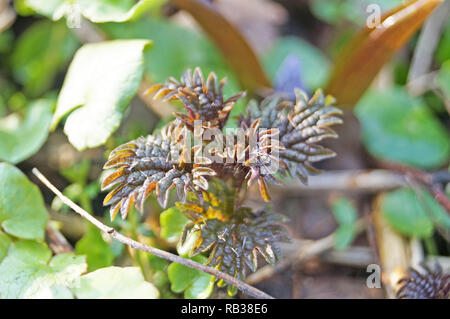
(22, 209)
(102, 79)
(196, 284)
(371, 48)
(351, 10)
(21, 138)
(28, 271)
(94, 10)
(98, 253)
(444, 79)
(115, 283)
(404, 212)
(4, 244)
(346, 215)
(172, 224)
(40, 53)
(399, 128)
(314, 66)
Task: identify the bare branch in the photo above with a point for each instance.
(243, 287)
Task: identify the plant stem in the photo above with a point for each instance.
(243, 287)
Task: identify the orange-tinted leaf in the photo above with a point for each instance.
(230, 41)
(361, 60)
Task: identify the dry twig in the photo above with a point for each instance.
(243, 287)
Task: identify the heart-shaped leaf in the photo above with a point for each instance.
(172, 224)
(102, 79)
(22, 210)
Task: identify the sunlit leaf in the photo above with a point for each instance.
(28, 271)
(102, 79)
(231, 42)
(196, 284)
(22, 208)
(115, 283)
(40, 53)
(361, 60)
(97, 251)
(402, 129)
(93, 10)
(21, 138)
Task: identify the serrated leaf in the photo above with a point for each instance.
(19, 139)
(94, 10)
(313, 65)
(28, 271)
(102, 79)
(22, 209)
(196, 284)
(172, 224)
(115, 283)
(40, 53)
(404, 212)
(399, 128)
(98, 253)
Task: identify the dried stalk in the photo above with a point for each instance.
(243, 287)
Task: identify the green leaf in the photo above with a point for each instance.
(4, 244)
(22, 209)
(345, 213)
(97, 251)
(443, 79)
(405, 213)
(196, 284)
(172, 224)
(41, 52)
(102, 79)
(19, 139)
(115, 283)
(94, 10)
(28, 271)
(314, 64)
(399, 128)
